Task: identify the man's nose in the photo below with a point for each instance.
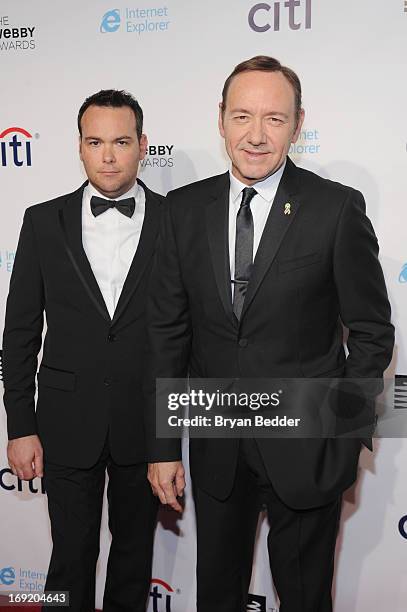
(108, 154)
(257, 135)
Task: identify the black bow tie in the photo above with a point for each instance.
(101, 205)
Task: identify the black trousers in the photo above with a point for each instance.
(301, 544)
(75, 498)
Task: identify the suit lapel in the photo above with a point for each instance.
(217, 223)
(70, 219)
(145, 250)
(275, 230)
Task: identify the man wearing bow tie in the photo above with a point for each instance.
(84, 260)
(255, 271)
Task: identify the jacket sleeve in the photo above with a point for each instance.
(23, 334)
(169, 333)
(363, 302)
(365, 310)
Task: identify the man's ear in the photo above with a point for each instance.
(220, 120)
(299, 126)
(80, 148)
(143, 144)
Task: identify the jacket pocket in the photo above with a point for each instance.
(299, 262)
(56, 379)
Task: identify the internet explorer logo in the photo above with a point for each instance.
(111, 21)
(403, 274)
(7, 576)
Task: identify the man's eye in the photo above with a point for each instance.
(276, 120)
(93, 143)
(122, 142)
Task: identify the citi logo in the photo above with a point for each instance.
(256, 603)
(9, 482)
(7, 576)
(403, 527)
(263, 16)
(110, 21)
(14, 149)
(403, 274)
(161, 595)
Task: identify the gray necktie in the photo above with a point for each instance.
(243, 250)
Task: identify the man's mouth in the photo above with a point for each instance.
(256, 154)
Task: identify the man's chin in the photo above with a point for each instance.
(256, 173)
(110, 189)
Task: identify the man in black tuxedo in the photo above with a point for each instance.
(84, 259)
(255, 271)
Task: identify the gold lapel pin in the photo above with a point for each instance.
(287, 209)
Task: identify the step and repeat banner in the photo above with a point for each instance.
(174, 56)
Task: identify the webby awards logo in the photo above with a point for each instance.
(14, 37)
(159, 156)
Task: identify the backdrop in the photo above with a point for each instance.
(174, 57)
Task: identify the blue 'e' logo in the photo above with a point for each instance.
(7, 576)
(403, 274)
(110, 21)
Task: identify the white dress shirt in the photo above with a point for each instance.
(260, 207)
(110, 241)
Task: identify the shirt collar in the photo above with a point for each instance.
(266, 188)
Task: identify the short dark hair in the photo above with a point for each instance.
(114, 98)
(266, 63)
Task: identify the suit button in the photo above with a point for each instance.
(243, 342)
(107, 382)
(111, 337)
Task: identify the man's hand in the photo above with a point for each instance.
(25, 457)
(167, 480)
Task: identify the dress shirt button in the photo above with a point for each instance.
(111, 337)
(107, 382)
(243, 342)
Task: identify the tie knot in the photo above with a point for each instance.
(248, 194)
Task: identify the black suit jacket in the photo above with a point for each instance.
(89, 382)
(313, 268)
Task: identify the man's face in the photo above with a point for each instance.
(259, 124)
(110, 150)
